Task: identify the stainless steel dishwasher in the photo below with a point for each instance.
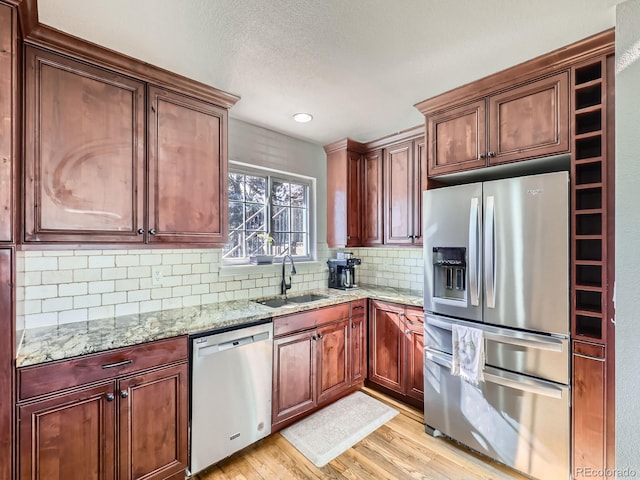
(230, 392)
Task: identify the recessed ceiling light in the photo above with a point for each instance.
(303, 117)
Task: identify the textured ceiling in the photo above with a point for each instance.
(358, 66)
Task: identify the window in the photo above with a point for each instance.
(269, 214)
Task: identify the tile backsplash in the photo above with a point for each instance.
(391, 267)
(56, 287)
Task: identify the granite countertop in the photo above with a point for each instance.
(45, 344)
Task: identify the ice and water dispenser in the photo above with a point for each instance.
(449, 272)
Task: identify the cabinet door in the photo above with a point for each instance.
(294, 375)
(457, 139)
(530, 121)
(153, 423)
(354, 218)
(187, 170)
(84, 152)
(358, 348)
(372, 198)
(589, 408)
(7, 362)
(8, 34)
(400, 185)
(333, 360)
(420, 174)
(414, 331)
(386, 345)
(70, 437)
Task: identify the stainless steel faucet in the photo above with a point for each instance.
(284, 286)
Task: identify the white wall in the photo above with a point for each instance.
(259, 146)
(628, 235)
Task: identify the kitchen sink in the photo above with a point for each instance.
(309, 297)
(281, 302)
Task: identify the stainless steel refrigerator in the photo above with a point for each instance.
(496, 259)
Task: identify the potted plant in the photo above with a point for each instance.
(267, 248)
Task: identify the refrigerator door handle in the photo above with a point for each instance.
(493, 334)
(529, 385)
(489, 254)
(442, 359)
(474, 267)
(551, 344)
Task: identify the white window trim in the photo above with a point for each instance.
(239, 265)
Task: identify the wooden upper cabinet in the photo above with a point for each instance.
(457, 139)
(528, 121)
(8, 47)
(403, 193)
(187, 169)
(344, 178)
(372, 198)
(84, 152)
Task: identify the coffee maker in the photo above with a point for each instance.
(342, 272)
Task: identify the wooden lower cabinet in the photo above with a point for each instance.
(70, 436)
(333, 360)
(396, 349)
(314, 359)
(589, 410)
(153, 423)
(126, 427)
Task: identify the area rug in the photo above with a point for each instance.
(327, 433)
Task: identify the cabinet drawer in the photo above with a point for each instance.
(310, 319)
(51, 377)
(358, 307)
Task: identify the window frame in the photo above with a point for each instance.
(283, 176)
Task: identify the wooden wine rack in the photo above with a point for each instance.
(589, 199)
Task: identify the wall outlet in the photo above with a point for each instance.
(156, 276)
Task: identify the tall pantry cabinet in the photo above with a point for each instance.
(8, 156)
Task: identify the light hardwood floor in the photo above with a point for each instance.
(400, 449)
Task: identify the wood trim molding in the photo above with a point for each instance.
(44, 36)
(401, 136)
(602, 43)
(345, 144)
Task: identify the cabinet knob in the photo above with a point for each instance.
(353, 325)
(314, 338)
(319, 336)
(110, 397)
(140, 231)
(407, 331)
(152, 231)
(491, 154)
(124, 394)
(481, 156)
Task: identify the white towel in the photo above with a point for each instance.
(468, 353)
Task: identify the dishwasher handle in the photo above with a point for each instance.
(235, 343)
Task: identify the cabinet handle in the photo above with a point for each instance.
(117, 364)
(152, 231)
(314, 338)
(481, 156)
(124, 394)
(140, 231)
(491, 154)
(358, 307)
(110, 397)
(319, 336)
(407, 331)
(588, 357)
(353, 326)
(348, 237)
